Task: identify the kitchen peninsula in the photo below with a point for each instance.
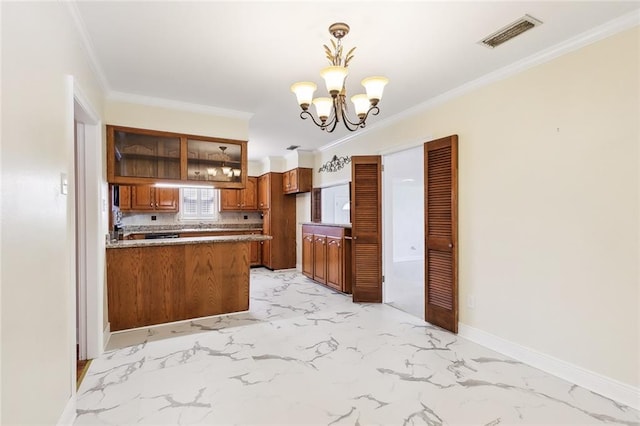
(163, 280)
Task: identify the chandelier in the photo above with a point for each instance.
(332, 110)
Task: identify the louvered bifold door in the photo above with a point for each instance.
(441, 232)
(366, 228)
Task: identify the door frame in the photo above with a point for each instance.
(91, 201)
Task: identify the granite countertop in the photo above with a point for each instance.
(189, 240)
(337, 225)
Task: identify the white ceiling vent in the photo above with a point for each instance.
(512, 30)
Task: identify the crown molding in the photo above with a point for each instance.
(72, 7)
(177, 105)
(593, 35)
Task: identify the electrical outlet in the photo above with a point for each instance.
(246, 217)
(154, 217)
(471, 301)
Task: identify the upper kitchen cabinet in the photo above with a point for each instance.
(217, 162)
(139, 156)
(143, 198)
(243, 200)
(297, 180)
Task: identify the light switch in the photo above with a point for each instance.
(64, 184)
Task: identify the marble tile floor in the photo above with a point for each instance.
(305, 355)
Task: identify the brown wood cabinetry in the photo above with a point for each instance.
(159, 284)
(147, 198)
(125, 197)
(307, 254)
(264, 191)
(240, 199)
(279, 221)
(256, 246)
(326, 256)
(297, 180)
(141, 156)
(320, 258)
(335, 262)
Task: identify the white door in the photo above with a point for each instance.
(403, 215)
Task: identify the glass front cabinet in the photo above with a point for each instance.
(139, 156)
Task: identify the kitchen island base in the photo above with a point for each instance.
(152, 285)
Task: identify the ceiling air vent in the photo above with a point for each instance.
(510, 31)
(293, 147)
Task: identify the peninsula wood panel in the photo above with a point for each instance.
(155, 285)
(209, 268)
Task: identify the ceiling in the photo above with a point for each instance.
(243, 56)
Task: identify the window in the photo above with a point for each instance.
(199, 203)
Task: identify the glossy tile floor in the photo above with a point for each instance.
(305, 355)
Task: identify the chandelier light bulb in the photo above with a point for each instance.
(304, 93)
(323, 107)
(361, 104)
(334, 79)
(374, 87)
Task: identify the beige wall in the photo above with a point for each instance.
(548, 203)
(39, 49)
(175, 120)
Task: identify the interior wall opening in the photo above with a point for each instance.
(403, 228)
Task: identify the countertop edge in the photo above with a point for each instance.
(335, 225)
(188, 240)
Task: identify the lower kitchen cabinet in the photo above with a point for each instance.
(326, 255)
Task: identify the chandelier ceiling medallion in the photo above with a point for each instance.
(334, 109)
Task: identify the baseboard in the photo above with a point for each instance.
(69, 414)
(605, 386)
(106, 335)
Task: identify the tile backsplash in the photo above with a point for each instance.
(137, 219)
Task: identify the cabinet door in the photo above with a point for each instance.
(143, 154)
(320, 258)
(307, 254)
(266, 253)
(125, 197)
(166, 199)
(335, 262)
(266, 245)
(230, 199)
(264, 189)
(255, 254)
(142, 198)
(286, 182)
(293, 180)
(250, 194)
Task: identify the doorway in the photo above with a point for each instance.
(90, 215)
(403, 217)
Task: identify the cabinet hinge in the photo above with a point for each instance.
(382, 167)
(383, 278)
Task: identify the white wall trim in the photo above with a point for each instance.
(593, 35)
(69, 413)
(178, 105)
(610, 388)
(106, 335)
(407, 145)
(72, 7)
